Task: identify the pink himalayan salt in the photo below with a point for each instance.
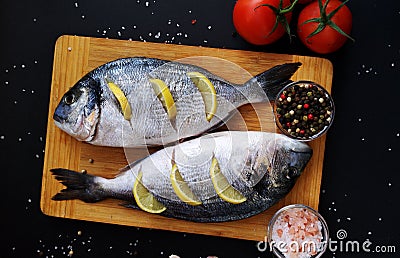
(301, 226)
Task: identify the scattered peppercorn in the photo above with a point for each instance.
(304, 110)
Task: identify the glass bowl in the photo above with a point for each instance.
(297, 230)
(304, 110)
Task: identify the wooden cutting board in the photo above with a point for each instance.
(75, 56)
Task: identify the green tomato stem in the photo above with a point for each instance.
(290, 8)
(326, 20)
(280, 16)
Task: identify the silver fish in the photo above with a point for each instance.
(92, 112)
(262, 166)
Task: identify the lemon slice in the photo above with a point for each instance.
(221, 185)
(165, 96)
(181, 188)
(144, 199)
(123, 101)
(207, 91)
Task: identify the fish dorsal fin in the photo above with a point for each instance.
(129, 166)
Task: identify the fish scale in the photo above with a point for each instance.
(243, 158)
(95, 114)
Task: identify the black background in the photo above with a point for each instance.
(360, 186)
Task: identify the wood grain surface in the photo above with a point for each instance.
(74, 56)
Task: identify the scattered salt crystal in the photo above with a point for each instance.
(390, 184)
(34, 19)
(380, 219)
(76, 4)
(147, 4)
(209, 27)
(6, 83)
(389, 149)
(359, 120)
(83, 16)
(2, 137)
(348, 218)
(338, 220)
(29, 200)
(392, 64)
(173, 256)
(398, 134)
(369, 233)
(22, 66)
(69, 48)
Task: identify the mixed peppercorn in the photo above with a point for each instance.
(304, 110)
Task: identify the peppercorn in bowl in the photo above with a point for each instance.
(304, 110)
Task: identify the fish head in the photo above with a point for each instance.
(79, 109)
(289, 161)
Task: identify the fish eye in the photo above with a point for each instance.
(69, 98)
(292, 172)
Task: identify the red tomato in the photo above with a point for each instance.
(255, 23)
(328, 39)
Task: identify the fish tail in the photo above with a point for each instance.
(80, 186)
(274, 79)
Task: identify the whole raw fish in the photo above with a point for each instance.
(262, 167)
(144, 101)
